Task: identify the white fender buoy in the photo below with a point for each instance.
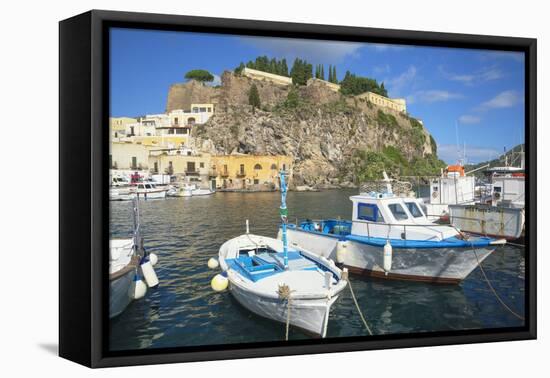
(219, 283)
(341, 251)
(138, 288)
(280, 234)
(153, 258)
(213, 263)
(388, 252)
(148, 272)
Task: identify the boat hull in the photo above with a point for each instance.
(434, 265)
(156, 194)
(502, 222)
(309, 315)
(119, 293)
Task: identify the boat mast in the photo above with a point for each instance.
(283, 211)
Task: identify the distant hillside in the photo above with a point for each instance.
(513, 155)
(334, 139)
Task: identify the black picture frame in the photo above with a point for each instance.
(83, 158)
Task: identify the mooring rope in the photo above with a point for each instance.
(284, 294)
(345, 276)
(493, 289)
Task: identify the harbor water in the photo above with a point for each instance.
(184, 311)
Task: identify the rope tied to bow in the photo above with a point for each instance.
(284, 293)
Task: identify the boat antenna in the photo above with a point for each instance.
(135, 208)
(283, 211)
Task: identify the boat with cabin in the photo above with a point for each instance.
(501, 209)
(390, 237)
(149, 190)
(452, 187)
(286, 284)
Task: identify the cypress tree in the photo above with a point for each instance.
(254, 98)
(284, 70)
(322, 75)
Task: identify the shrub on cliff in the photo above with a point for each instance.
(200, 75)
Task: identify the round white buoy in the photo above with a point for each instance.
(213, 263)
(219, 283)
(149, 273)
(280, 234)
(138, 288)
(153, 258)
(341, 250)
(388, 252)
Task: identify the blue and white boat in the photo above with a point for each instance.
(288, 285)
(391, 237)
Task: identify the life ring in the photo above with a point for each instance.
(434, 194)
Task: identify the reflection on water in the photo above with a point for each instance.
(184, 311)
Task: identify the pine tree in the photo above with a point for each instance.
(330, 73)
(254, 98)
(322, 74)
(284, 70)
(334, 77)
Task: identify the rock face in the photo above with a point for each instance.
(321, 133)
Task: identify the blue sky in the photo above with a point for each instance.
(478, 92)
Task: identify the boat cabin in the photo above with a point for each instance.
(146, 185)
(382, 215)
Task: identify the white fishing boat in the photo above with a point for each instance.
(130, 269)
(121, 194)
(453, 187)
(188, 190)
(390, 237)
(123, 268)
(286, 284)
(501, 212)
(149, 190)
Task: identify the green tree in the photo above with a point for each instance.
(284, 69)
(301, 72)
(354, 85)
(322, 73)
(254, 98)
(199, 75)
(240, 68)
(334, 77)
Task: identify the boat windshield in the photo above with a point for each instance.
(414, 210)
(398, 211)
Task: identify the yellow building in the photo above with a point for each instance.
(189, 165)
(397, 104)
(117, 125)
(261, 75)
(128, 156)
(248, 172)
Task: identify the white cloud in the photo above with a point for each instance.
(396, 84)
(467, 119)
(433, 95)
(474, 154)
(382, 69)
(483, 75)
(384, 46)
(312, 50)
(506, 99)
(511, 55)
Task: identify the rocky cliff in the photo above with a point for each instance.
(319, 128)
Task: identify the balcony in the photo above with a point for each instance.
(240, 173)
(224, 174)
(192, 172)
